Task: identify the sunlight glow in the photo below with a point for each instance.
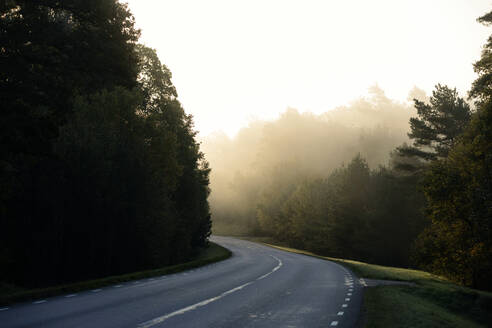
(235, 61)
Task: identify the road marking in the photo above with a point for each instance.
(349, 294)
(136, 282)
(340, 313)
(334, 323)
(96, 290)
(117, 286)
(4, 309)
(163, 318)
(71, 295)
(39, 302)
(347, 299)
(344, 305)
(351, 290)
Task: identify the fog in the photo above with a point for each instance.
(272, 155)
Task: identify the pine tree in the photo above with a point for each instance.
(436, 128)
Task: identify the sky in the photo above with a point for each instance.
(236, 61)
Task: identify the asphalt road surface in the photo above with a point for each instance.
(257, 287)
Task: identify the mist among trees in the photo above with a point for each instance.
(379, 181)
(282, 153)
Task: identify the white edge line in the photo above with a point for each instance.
(161, 319)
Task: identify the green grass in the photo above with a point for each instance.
(10, 294)
(432, 301)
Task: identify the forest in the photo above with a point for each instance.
(379, 181)
(100, 169)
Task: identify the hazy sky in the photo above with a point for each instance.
(234, 61)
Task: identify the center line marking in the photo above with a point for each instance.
(161, 319)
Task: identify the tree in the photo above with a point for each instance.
(167, 119)
(482, 87)
(458, 189)
(101, 173)
(459, 203)
(437, 126)
(50, 52)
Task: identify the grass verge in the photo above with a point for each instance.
(10, 294)
(432, 302)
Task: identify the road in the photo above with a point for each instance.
(258, 286)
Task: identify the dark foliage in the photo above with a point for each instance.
(99, 168)
(458, 188)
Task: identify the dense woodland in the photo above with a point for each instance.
(100, 170)
(407, 187)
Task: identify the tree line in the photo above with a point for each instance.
(100, 170)
(429, 206)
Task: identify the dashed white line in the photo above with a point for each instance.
(136, 282)
(344, 305)
(39, 302)
(4, 309)
(117, 286)
(347, 299)
(349, 294)
(71, 295)
(340, 313)
(96, 290)
(351, 290)
(334, 323)
(161, 319)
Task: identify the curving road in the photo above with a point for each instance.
(257, 287)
